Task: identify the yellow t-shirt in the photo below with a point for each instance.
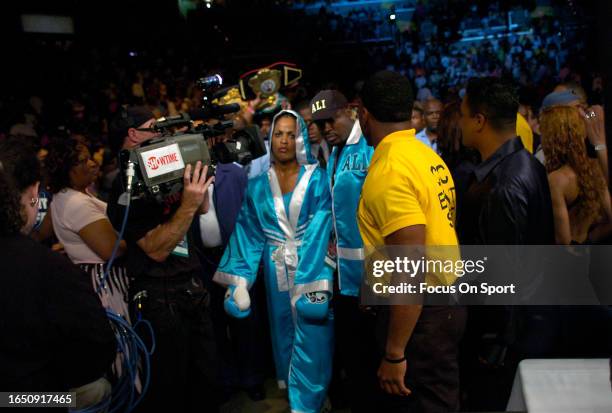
(408, 184)
(523, 130)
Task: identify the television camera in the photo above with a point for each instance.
(155, 168)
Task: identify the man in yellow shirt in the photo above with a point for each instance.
(408, 199)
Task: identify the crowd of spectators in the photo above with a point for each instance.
(71, 125)
(428, 50)
(441, 47)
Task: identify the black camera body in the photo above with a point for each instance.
(159, 164)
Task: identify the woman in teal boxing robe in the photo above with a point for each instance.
(285, 221)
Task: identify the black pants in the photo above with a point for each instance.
(355, 345)
(526, 332)
(432, 366)
(433, 362)
(240, 342)
(183, 370)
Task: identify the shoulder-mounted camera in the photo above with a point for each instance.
(159, 164)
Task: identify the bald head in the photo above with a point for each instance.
(432, 111)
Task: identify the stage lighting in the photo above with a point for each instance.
(392, 16)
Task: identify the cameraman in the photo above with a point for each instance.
(166, 288)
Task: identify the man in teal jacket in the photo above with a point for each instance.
(346, 169)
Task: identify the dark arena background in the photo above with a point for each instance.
(82, 80)
(94, 52)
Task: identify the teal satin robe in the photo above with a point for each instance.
(293, 248)
(349, 171)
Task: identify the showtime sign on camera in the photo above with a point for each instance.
(163, 160)
(154, 162)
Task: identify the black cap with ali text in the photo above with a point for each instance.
(325, 104)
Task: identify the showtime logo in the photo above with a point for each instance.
(154, 162)
(161, 161)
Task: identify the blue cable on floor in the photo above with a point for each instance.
(124, 397)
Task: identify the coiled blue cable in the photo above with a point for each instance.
(136, 357)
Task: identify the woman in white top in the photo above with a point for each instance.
(80, 223)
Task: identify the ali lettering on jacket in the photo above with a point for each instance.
(355, 162)
(446, 194)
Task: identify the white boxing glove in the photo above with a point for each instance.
(237, 302)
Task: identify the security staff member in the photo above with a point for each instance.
(408, 199)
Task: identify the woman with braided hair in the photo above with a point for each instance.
(582, 215)
(580, 198)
